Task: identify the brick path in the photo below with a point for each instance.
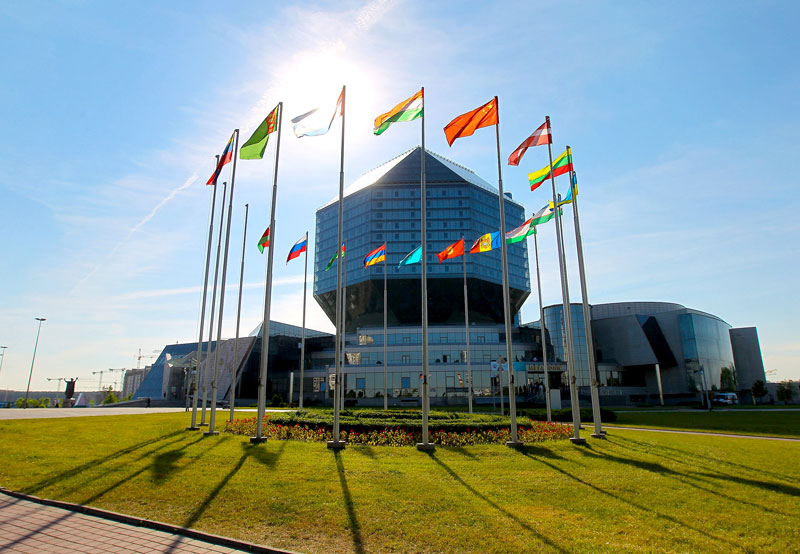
(29, 527)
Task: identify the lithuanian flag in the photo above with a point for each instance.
(407, 110)
(561, 165)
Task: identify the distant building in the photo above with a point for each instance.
(132, 379)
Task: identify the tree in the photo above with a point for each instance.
(727, 379)
(759, 390)
(785, 391)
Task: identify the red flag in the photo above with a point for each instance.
(226, 157)
(466, 124)
(540, 136)
(453, 251)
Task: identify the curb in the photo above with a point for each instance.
(149, 524)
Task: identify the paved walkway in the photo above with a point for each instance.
(29, 527)
(40, 413)
(706, 433)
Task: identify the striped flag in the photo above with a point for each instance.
(521, 233)
(226, 157)
(376, 256)
(540, 136)
(567, 199)
(299, 247)
(407, 110)
(330, 263)
(543, 216)
(485, 243)
(263, 242)
(561, 165)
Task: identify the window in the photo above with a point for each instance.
(459, 193)
(480, 339)
(460, 203)
(379, 194)
(460, 213)
(379, 226)
(444, 224)
(396, 194)
(405, 382)
(397, 236)
(406, 340)
(380, 204)
(443, 339)
(396, 225)
(361, 383)
(444, 192)
(405, 358)
(379, 215)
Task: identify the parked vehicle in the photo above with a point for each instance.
(725, 398)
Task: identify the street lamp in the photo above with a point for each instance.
(2, 356)
(36, 345)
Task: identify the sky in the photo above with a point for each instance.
(682, 117)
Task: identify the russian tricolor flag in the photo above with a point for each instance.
(299, 247)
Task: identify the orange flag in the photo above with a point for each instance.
(453, 251)
(466, 124)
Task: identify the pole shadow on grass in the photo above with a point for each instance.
(683, 477)
(355, 526)
(43, 484)
(631, 503)
(549, 542)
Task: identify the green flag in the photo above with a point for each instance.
(254, 148)
(330, 263)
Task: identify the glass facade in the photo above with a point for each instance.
(554, 322)
(706, 345)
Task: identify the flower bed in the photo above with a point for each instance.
(402, 435)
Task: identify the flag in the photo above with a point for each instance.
(263, 242)
(561, 165)
(543, 216)
(453, 251)
(460, 380)
(299, 247)
(407, 110)
(376, 256)
(226, 157)
(540, 136)
(466, 124)
(521, 232)
(567, 199)
(487, 242)
(312, 124)
(413, 257)
(330, 263)
(254, 148)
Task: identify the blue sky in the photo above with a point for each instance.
(682, 117)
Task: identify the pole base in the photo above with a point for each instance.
(573, 440)
(203, 424)
(513, 444)
(193, 428)
(257, 440)
(211, 433)
(426, 446)
(336, 445)
(598, 435)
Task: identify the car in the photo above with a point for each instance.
(725, 398)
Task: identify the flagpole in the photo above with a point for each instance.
(542, 329)
(303, 333)
(336, 443)
(512, 393)
(587, 314)
(385, 304)
(344, 322)
(211, 429)
(466, 327)
(576, 411)
(424, 445)
(194, 426)
(569, 339)
(213, 306)
(238, 317)
(262, 375)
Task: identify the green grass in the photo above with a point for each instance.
(747, 422)
(636, 492)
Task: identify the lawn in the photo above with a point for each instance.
(635, 492)
(747, 422)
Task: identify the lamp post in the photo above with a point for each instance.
(35, 346)
(2, 356)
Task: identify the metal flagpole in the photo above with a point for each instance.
(213, 305)
(512, 393)
(212, 419)
(234, 369)
(303, 332)
(569, 339)
(466, 327)
(262, 375)
(424, 445)
(587, 313)
(337, 444)
(576, 415)
(344, 331)
(543, 329)
(194, 426)
(385, 303)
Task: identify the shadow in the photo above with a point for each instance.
(764, 485)
(88, 465)
(263, 456)
(641, 507)
(459, 450)
(364, 449)
(355, 526)
(38, 531)
(215, 492)
(164, 464)
(533, 450)
(494, 505)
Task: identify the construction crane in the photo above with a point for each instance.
(59, 379)
(139, 357)
(100, 384)
(113, 370)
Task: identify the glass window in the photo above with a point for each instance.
(405, 382)
(361, 383)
